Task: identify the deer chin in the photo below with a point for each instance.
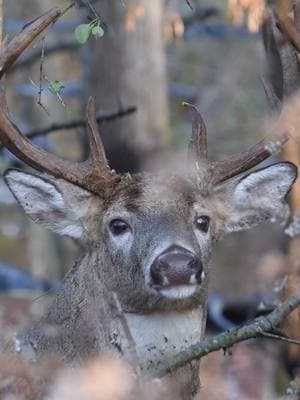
(178, 291)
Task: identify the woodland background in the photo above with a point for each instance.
(153, 56)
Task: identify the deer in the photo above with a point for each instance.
(140, 286)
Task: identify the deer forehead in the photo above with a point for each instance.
(157, 193)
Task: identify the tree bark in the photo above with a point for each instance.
(127, 67)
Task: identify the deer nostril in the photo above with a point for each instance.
(198, 275)
(162, 265)
(156, 274)
(176, 266)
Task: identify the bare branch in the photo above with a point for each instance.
(280, 337)
(257, 328)
(71, 45)
(189, 4)
(34, 55)
(39, 100)
(78, 123)
(71, 5)
(89, 174)
(201, 14)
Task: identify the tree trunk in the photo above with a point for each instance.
(127, 67)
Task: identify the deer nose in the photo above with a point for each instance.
(176, 266)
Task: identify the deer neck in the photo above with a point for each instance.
(160, 335)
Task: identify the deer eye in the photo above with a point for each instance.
(202, 223)
(118, 227)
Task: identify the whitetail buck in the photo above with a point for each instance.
(140, 286)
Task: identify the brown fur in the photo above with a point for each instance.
(107, 302)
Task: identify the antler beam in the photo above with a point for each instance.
(19, 43)
(245, 160)
(90, 174)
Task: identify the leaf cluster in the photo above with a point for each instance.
(84, 31)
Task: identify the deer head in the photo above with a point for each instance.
(153, 232)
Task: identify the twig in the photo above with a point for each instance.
(27, 59)
(39, 100)
(201, 14)
(68, 8)
(78, 122)
(257, 328)
(189, 4)
(89, 4)
(92, 8)
(280, 337)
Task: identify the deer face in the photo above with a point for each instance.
(158, 236)
(154, 234)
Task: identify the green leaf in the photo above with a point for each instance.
(82, 33)
(55, 87)
(97, 31)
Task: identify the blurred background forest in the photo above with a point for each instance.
(153, 56)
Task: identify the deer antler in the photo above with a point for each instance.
(91, 174)
(245, 160)
(198, 143)
(249, 158)
(238, 163)
(94, 173)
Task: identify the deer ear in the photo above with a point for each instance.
(257, 197)
(44, 203)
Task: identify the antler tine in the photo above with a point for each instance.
(251, 157)
(197, 149)
(236, 164)
(89, 174)
(97, 155)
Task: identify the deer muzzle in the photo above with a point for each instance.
(176, 266)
